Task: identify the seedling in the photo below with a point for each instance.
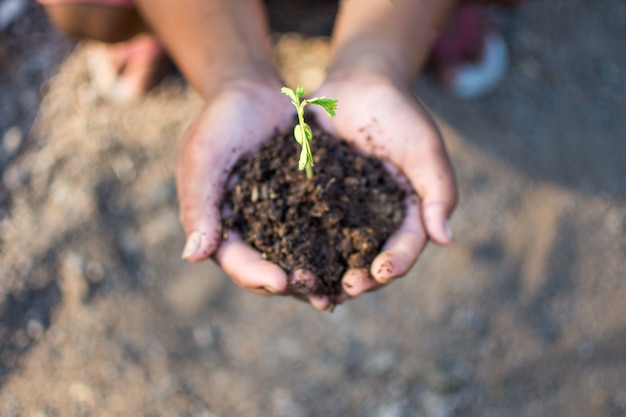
(302, 131)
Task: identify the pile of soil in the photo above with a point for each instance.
(337, 220)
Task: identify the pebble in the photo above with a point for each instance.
(382, 362)
(435, 405)
(200, 410)
(80, 392)
(13, 178)
(44, 412)
(21, 339)
(10, 11)
(73, 284)
(285, 405)
(94, 272)
(530, 68)
(34, 329)
(124, 167)
(448, 376)
(129, 243)
(204, 335)
(615, 223)
(290, 348)
(11, 409)
(395, 409)
(12, 141)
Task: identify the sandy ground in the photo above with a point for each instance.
(525, 315)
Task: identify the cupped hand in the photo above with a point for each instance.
(386, 120)
(236, 120)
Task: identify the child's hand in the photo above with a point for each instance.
(235, 121)
(383, 120)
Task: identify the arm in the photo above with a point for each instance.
(222, 48)
(388, 37)
(214, 41)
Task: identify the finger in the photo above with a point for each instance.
(356, 281)
(320, 302)
(403, 248)
(199, 183)
(435, 217)
(431, 175)
(248, 269)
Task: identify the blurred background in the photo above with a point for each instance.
(525, 315)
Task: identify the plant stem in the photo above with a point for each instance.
(308, 169)
(302, 132)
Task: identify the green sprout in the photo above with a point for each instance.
(302, 131)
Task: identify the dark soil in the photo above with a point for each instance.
(337, 220)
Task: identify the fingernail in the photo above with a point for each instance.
(270, 290)
(193, 241)
(448, 229)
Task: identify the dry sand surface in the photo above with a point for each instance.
(525, 315)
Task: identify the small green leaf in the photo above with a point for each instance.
(300, 92)
(297, 134)
(329, 104)
(308, 133)
(302, 132)
(303, 159)
(289, 93)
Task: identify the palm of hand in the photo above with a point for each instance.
(382, 120)
(235, 122)
(385, 122)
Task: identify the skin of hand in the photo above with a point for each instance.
(385, 120)
(235, 122)
(378, 48)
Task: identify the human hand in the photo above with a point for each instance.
(384, 120)
(235, 121)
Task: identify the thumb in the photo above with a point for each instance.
(433, 179)
(199, 182)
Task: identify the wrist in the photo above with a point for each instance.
(248, 78)
(238, 77)
(363, 59)
(369, 74)
(392, 39)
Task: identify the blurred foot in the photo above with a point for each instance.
(470, 58)
(125, 71)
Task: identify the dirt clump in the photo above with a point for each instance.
(337, 220)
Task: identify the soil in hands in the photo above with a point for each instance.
(337, 220)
